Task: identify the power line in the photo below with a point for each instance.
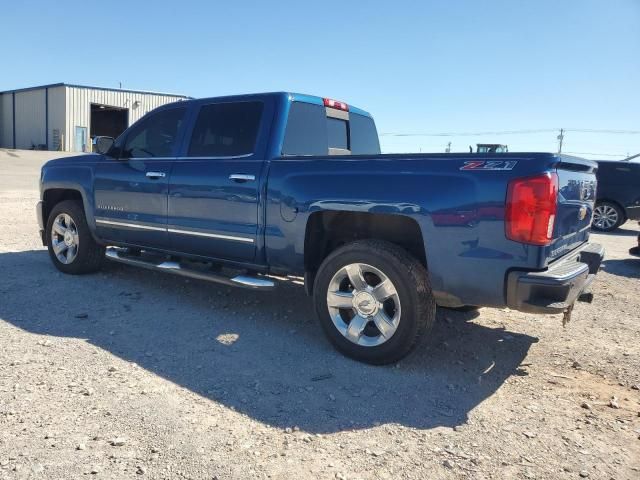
(508, 132)
(600, 154)
(589, 130)
(465, 134)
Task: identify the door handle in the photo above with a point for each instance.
(156, 175)
(242, 177)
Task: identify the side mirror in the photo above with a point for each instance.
(102, 144)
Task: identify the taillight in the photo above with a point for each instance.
(335, 104)
(531, 209)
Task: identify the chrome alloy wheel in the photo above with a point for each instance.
(605, 217)
(364, 304)
(64, 238)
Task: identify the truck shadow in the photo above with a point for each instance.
(625, 267)
(620, 232)
(260, 353)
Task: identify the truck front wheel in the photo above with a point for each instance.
(71, 246)
(374, 301)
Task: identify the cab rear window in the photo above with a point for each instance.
(226, 129)
(364, 136)
(337, 133)
(310, 132)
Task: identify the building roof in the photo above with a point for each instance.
(53, 85)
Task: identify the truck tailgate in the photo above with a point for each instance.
(576, 199)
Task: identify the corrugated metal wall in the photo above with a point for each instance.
(68, 107)
(57, 117)
(6, 120)
(30, 119)
(79, 100)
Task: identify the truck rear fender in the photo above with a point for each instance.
(328, 230)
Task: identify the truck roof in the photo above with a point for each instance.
(289, 96)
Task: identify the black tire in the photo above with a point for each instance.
(611, 209)
(411, 282)
(90, 255)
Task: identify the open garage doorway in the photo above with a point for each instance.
(108, 121)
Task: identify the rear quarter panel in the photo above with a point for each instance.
(460, 213)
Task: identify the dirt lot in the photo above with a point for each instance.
(133, 374)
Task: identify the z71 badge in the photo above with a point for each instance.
(489, 165)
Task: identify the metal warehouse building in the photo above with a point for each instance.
(65, 117)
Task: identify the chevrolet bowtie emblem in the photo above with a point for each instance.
(582, 213)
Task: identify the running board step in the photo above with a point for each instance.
(244, 281)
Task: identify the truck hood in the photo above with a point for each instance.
(84, 159)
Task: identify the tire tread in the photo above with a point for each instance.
(91, 255)
(418, 276)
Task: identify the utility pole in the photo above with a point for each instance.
(448, 149)
(560, 139)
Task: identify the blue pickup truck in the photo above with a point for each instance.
(241, 189)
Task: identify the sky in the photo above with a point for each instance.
(419, 67)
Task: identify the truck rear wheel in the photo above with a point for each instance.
(374, 301)
(71, 246)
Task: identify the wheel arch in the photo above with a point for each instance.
(328, 230)
(55, 194)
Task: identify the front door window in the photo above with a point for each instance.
(154, 136)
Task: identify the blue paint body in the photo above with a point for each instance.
(460, 214)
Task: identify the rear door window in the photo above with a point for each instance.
(306, 132)
(226, 130)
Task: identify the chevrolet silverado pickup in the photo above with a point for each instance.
(240, 190)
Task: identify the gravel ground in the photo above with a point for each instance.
(132, 374)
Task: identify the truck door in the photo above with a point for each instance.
(131, 183)
(214, 188)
